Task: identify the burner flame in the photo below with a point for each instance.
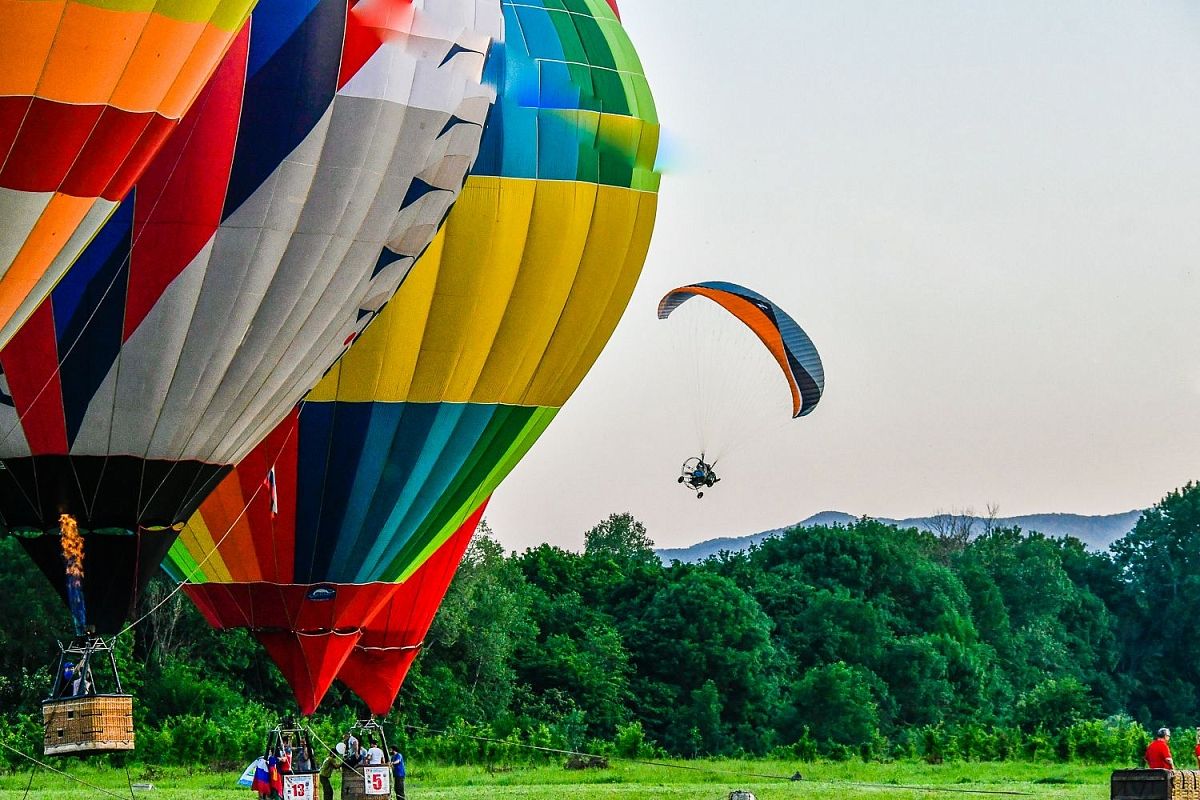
(72, 554)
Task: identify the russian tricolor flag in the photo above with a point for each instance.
(262, 778)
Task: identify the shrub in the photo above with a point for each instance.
(631, 742)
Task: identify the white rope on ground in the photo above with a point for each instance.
(66, 775)
(911, 788)
(129, 780)
(29, 785)
(713, 771)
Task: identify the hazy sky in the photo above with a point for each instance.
(987, 217)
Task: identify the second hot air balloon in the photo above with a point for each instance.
(396, 451)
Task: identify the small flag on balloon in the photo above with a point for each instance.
(269, 483)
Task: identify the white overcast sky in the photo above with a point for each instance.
(987, 217)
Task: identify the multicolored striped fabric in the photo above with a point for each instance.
(89, 90)
(789, 344)
(272, 226)
(403, 441)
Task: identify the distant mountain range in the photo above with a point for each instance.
(1097, 532)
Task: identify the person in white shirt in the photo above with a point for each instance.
(374, 755)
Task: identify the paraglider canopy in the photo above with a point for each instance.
(778, 332)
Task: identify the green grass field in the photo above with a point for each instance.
(703, 780)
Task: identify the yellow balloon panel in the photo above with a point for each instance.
(511, 304)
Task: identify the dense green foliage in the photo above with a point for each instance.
(865, 640)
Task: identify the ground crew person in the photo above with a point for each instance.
(327, 767)
(1158, 754)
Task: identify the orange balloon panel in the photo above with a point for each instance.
(89, 90)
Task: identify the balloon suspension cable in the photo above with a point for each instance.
(53, 378)
(714, 771)
(333, 751)
(216, 547)
(66, 775)
(29, 785)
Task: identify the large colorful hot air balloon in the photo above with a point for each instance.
(280, 216)
(398, 448)
(89, 90)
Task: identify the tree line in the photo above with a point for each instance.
(865, 640)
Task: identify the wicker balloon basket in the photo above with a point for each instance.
(366, 783)
(87, 725)
(1155, 784)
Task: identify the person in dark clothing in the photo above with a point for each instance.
(68, 679)
(326, 774)
(698, 475)
(398, 772)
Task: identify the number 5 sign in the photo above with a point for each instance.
(298, 787)
(377, 780)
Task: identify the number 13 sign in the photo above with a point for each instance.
(377, 780)
(298, 787)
